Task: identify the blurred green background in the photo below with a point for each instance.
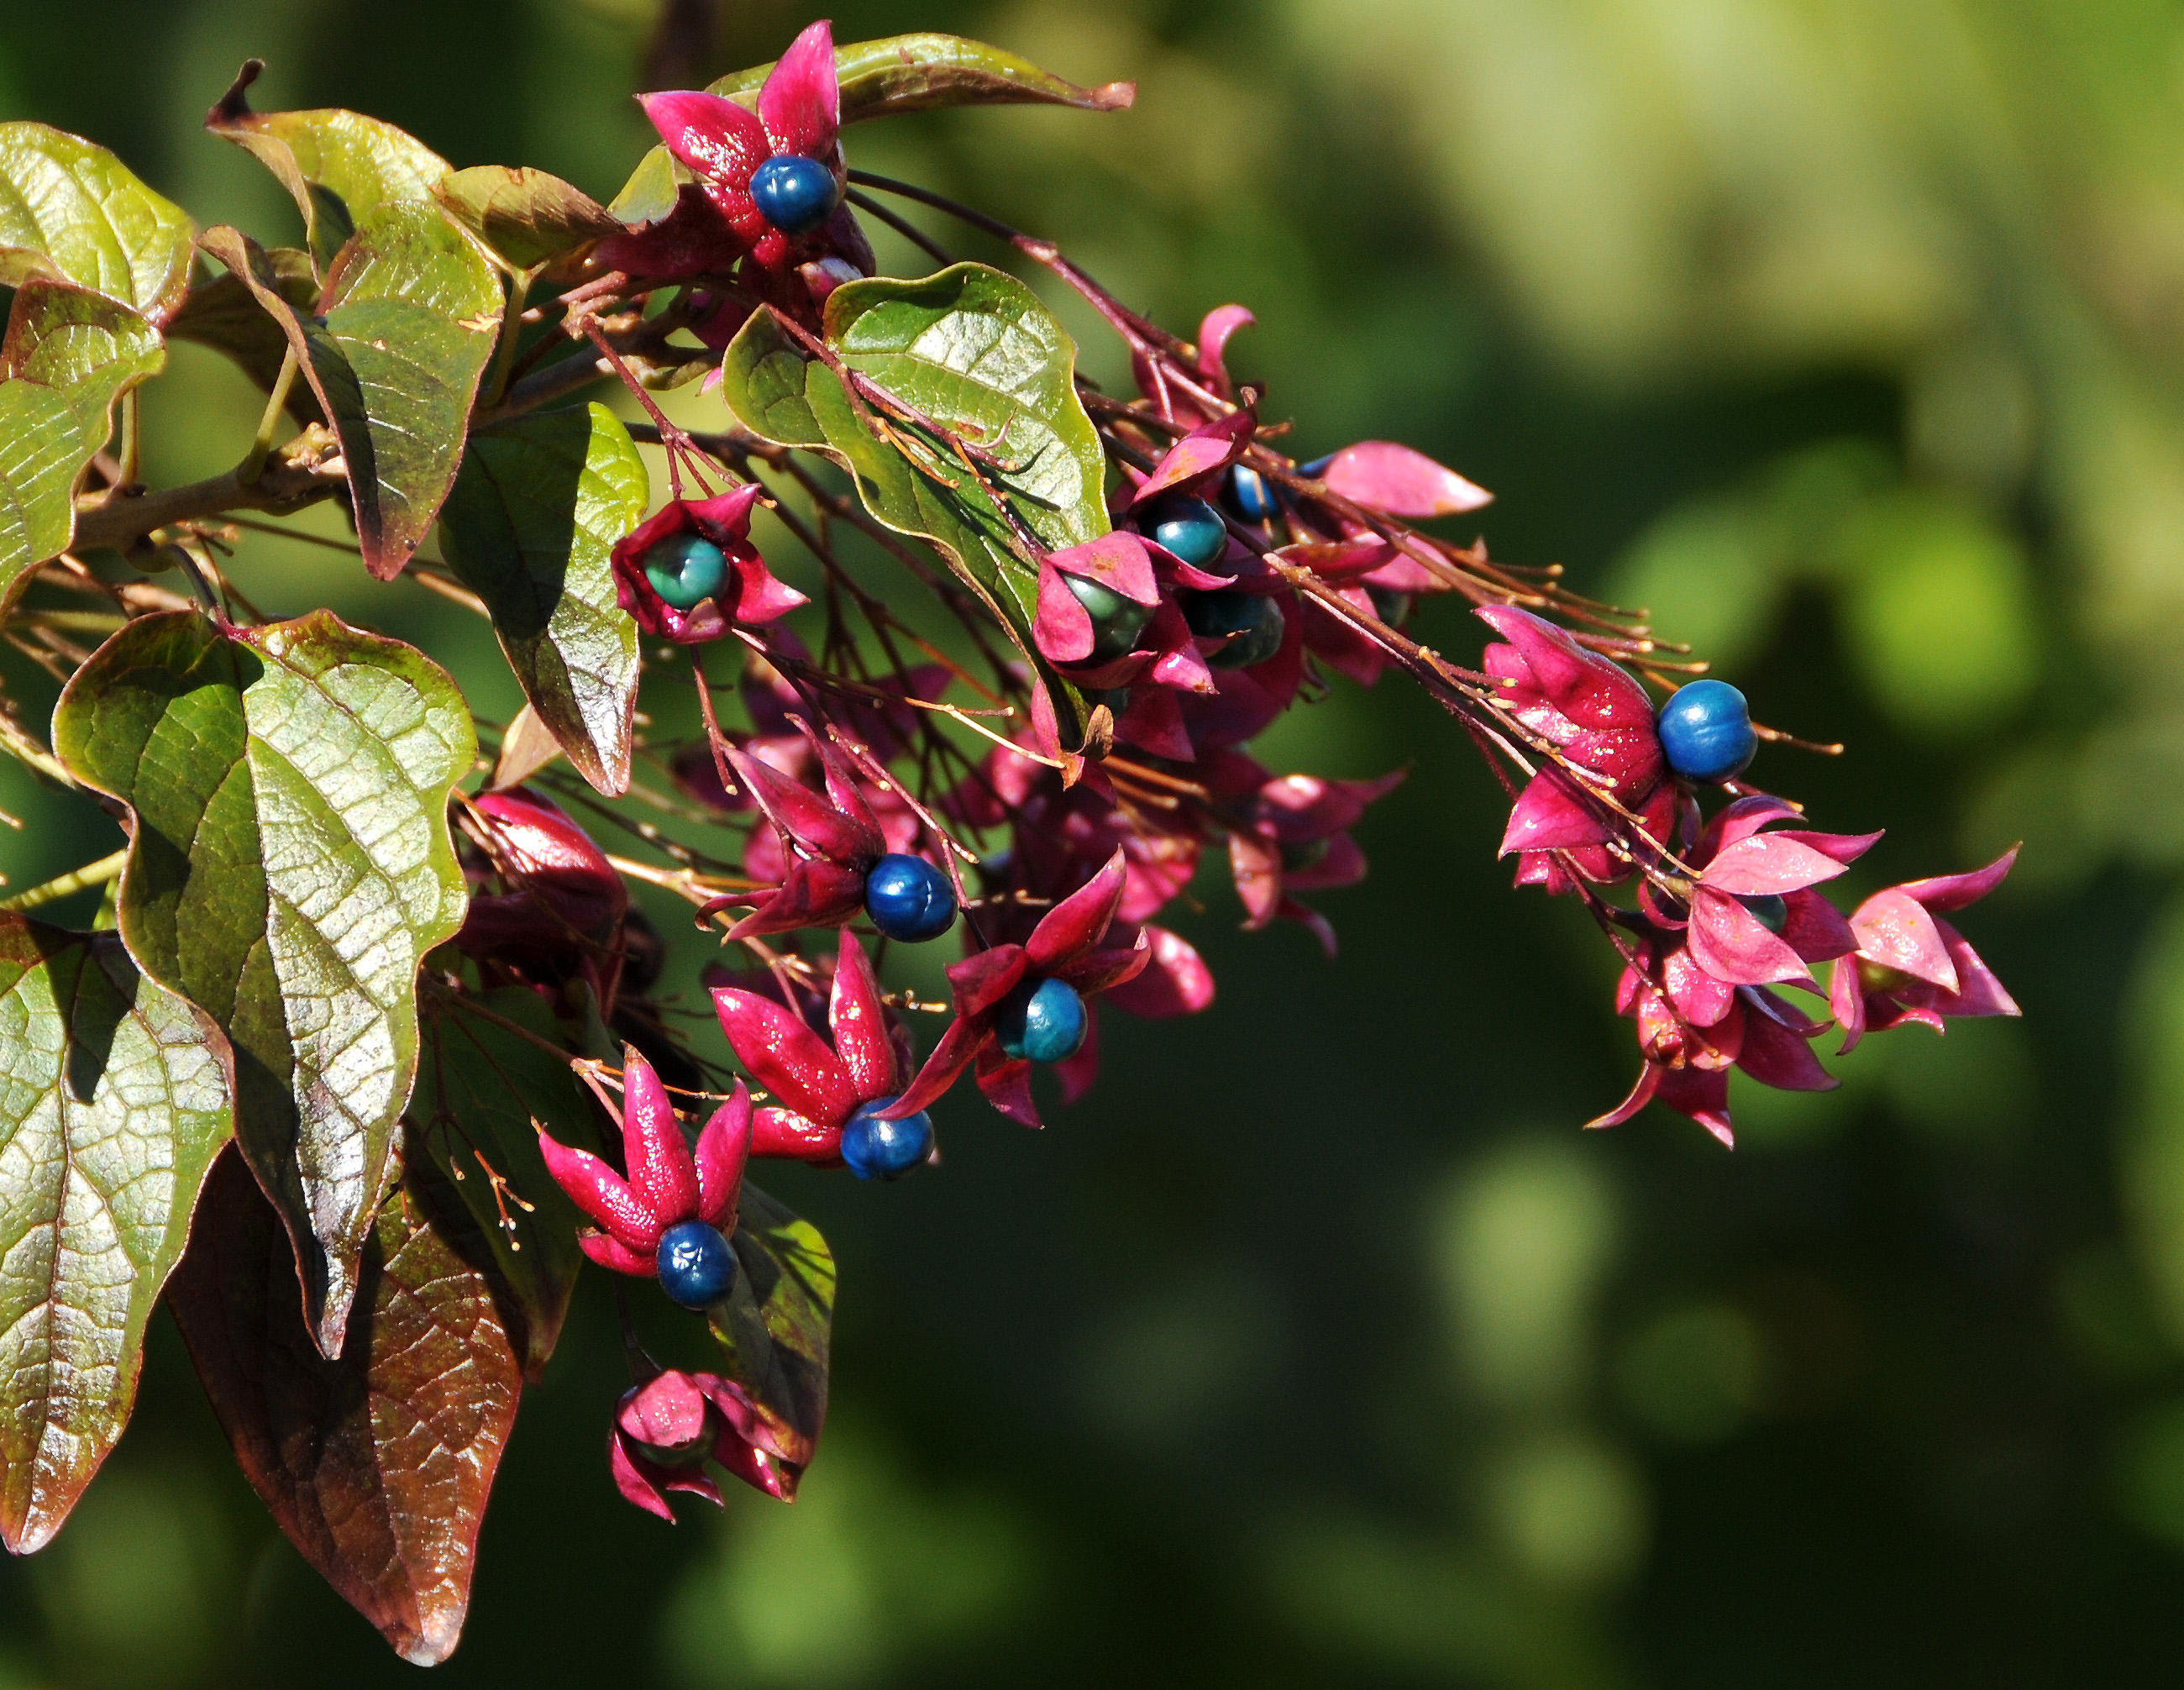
(1317, 1345)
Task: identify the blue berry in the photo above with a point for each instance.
(697, 1268)
(1117, 622)
(1317, 467)
(909, 899)
(1045, 1022)
(794, 194)
(1705, 731)
(885, 1149)
(686, 570)
(1770, 909)
(1251, 496)
(1189, 527)
(1253, 617)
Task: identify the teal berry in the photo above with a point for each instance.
(1254, 618)
(697, 1269)
(686, 570)
(1391, 606)
(1770, 909)
(1044, 1022)
(1190, 528)
(877, 1149)
(1117, 622)
(794, 194)
(1251, 496)
(1707, 733)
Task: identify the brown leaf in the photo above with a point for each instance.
(377, 1463)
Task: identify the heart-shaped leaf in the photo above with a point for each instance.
(530, 528)
(777, 1324)
(340, 167)
(926, 71)
(974, 349)
(114, 1099)
(73, 212)
(223, 314)
(483, 1092)
(527, 218)
(289, 866)
(403, 330)
(378, 1462)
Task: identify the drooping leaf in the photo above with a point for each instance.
(403, 330)
(114, 1099)
(975, 349)
(340, 167)
(530, 528)
(777, 1324)
(289, 866)
(482, 1092)
(73, 212)
(89, 347)
(528, 218)
(926, 71)
(42, 451)
(223, 314)
(377, 1463)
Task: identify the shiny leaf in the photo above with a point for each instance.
(974, 349)
(90, 348)
(340, 167)
(42, 451)
(114, 1099)
(927, 71)
(528, 218)
(777, 1323)
(406, 323)
(530, 528)
(290, 866)
(377, 1463)
(71, 211)
(483, 1091)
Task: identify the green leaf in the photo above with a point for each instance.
(340, 167)
(73, 212)
(42, 451)
(926, 71)
(378, 1462)
(404, 329)
(649, 193)
(530, 528)
(90, 348)
(114, 1099)
(482, 1092)
(975, 349)
(225, 315)
(775, 1325)
(289, 865)
(528, 218)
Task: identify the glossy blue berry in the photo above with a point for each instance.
(1317, 467)
(686, 570)
(909, 899)
(885, 1149)
(796, 195)
(697, 1268)
(1117, 622)
(1770, 909)
(1190, 528)
(1705, 731)
(1045, 1022)
(1251, 496)
(1256, 619)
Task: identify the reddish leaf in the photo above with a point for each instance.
(375, 1463)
